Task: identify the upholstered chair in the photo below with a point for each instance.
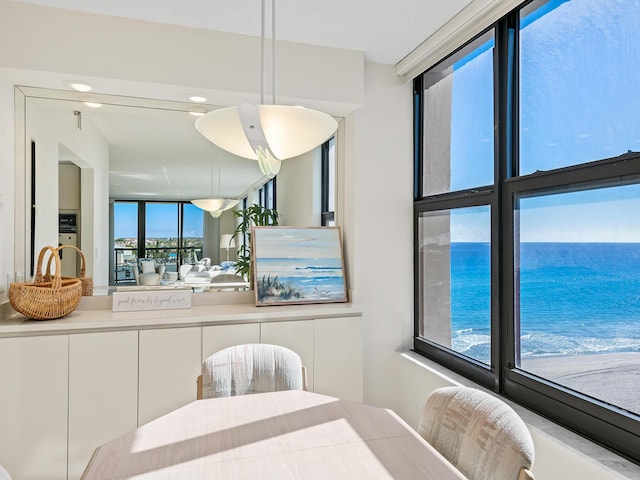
(478, 433)
(149, 273)
(251, 368)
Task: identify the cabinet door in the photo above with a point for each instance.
(33, 412)
(169, 365)
(338, 357)
(217, 337)
(103, 392)
(297, 336)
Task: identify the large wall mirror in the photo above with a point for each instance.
(86, 160)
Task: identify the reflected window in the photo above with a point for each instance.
(125, 241)
(171, 233)
(328, 182)
(267, 194)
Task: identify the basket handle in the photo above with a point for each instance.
(56, 281)
(47, 275)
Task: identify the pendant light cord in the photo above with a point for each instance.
(263, 22)
(262, 28)
(273, 50)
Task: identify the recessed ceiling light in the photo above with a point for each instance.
(80, 87)
(197, 98)
(93, 104)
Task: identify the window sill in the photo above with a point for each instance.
(580, 449)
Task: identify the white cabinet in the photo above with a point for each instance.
(169, 365)
(63, 394)
(338, 357)
(295, 335)
(103, 392)
(33, 407)
(222, 336)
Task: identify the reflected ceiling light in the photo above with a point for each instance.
(215, 205)
(93, 104)
(197, 98)
(197, 112)
(267, 133)
(80, 87)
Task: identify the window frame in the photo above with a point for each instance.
(327, 216)
(610, 426)
(267, 194)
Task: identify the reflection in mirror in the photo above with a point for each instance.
(117, 181)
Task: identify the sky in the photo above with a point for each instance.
(300, 242)
(580, 102)
(161, 221)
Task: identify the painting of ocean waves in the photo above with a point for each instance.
(298, 265)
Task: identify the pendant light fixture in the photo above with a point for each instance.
(267, 133)
(214, 205)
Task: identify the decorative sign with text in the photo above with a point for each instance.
(151, 300)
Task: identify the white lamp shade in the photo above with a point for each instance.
(215, 204)
(290, 131)
(209, 204)
(227, 241)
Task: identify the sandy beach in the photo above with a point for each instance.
(614, 378)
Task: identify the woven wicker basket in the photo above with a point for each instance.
(42, 300)
(87, 282)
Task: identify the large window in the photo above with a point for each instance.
(526, 196)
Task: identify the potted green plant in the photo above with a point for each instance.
(255, 215)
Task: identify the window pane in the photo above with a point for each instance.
(161, 230)
(579, 82)
(458, 121)
(331, 180)
(579, 288)
(125, 240)
(455, 261)
(192, 235)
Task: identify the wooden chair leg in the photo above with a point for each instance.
(199, 387)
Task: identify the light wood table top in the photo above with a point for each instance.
(279, 435)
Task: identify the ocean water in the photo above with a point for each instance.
(575, 298)
(316, 279)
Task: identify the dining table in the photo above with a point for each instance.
(292, 434)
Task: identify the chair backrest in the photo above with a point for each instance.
(478, 433)
(251, 368)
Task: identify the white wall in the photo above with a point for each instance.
(6, 186)
(50, 129)
(298, 190)
(379, 176)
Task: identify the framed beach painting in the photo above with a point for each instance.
(295, 265)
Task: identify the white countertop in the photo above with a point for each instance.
(13, 324)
